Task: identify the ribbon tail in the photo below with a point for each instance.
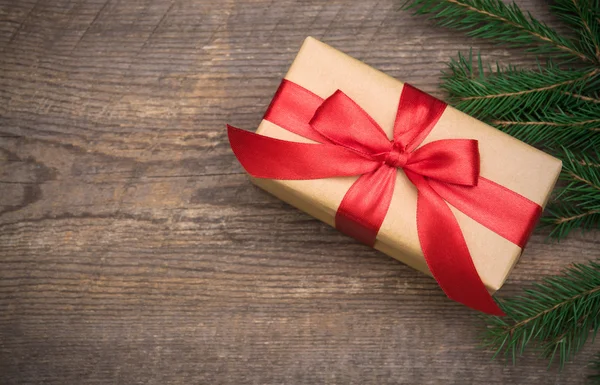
(514, 219)
(265, 157)
(446, 251)
(365, 205)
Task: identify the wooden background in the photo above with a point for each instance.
(133, 249)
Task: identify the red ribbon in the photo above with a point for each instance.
(443, 171)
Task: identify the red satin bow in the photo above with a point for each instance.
(352, 143)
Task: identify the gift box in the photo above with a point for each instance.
(461, 198)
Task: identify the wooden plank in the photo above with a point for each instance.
(133, 249)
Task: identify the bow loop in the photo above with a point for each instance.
(418, 112)
(343, 122)
(453, 161)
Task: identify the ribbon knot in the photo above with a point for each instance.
(351, 143)
(396, 157)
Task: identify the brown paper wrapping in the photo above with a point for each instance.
(504, 159)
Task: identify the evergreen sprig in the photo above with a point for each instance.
(489, 91)
(504, 23)
(556, 316)
(577, 128)
(583, 17)
(577, 203)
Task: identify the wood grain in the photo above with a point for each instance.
(134, 250)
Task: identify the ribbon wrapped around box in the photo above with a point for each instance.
(400, 171)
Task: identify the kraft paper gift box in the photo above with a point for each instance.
(503, 159)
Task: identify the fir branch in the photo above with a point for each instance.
(492, 93)
(588, 182)
(577, 201)
(588, 163)
(544, 76)
(494, 20)
(565, 218)
(576, 217)
(530, 91)
(583, 177)
(593, 122)
(580, 15)
(554, 127)
(582, 97)
(557, 315)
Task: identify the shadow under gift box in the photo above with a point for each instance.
(504, 160)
